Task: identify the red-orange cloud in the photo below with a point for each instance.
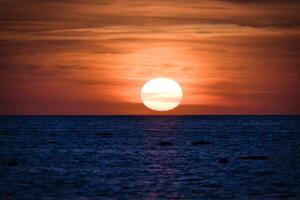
(93, 57)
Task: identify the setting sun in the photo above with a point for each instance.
(161, 94)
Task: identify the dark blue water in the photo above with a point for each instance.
(150, 157)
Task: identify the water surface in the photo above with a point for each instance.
(150, 157)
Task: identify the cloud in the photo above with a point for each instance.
(229, 56)
(80, 14)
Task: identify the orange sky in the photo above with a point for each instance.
(93, 57)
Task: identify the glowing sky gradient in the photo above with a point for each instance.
(93, 57)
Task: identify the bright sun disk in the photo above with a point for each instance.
(161, 94)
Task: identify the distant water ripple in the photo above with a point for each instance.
(150, 157)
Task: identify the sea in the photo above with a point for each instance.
(149, 157)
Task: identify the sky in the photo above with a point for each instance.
(93, 57)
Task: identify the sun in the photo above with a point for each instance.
(161, 94)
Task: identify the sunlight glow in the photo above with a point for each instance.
(161, 94)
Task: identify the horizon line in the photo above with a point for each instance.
(133, 115)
